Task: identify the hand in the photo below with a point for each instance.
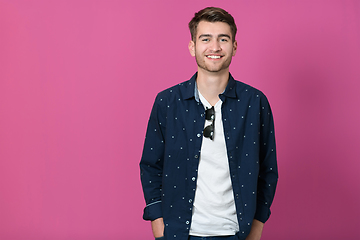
(158, 227)
(256, 230)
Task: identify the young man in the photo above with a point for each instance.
(208, 168)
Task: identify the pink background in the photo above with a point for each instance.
(78, 79)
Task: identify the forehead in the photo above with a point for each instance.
(213, 28)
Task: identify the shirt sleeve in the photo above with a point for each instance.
(151, 164)
(268, 173)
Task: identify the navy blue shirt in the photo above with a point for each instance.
(171, 154)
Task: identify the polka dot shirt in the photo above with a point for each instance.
(170, 158)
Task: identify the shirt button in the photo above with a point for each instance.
(193, 178)
(196, 156)
(198, 135)
(190, 200)
(187, 222)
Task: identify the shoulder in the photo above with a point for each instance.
(179, 91)
(243, 89)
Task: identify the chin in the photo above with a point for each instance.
(214, 70)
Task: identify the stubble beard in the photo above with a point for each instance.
(200, 60)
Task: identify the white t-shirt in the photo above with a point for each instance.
(214, 212)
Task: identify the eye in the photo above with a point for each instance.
(205, 40)
(223, 40)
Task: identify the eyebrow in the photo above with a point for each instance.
(209, 35)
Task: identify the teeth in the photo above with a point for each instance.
(213, 57)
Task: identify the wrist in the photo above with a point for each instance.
(158, 228)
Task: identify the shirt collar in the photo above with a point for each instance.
(192, 90)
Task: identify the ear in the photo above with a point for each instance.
(192, 48)
(234, 47)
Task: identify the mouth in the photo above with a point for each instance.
(214, 56)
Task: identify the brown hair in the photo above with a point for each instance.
(212, 14)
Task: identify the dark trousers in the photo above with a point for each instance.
(212, 238)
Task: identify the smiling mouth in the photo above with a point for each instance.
(214, 56)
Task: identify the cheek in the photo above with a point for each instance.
(198, 51)
(231, 50)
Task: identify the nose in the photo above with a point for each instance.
(215, 46)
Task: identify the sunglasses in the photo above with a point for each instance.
(209, 130)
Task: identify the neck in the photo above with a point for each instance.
(212, 84)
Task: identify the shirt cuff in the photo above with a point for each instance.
(262, 213)
(153, 211)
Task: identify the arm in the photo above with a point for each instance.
(151, 164)
(268, 172)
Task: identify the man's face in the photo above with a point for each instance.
(213, 47)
